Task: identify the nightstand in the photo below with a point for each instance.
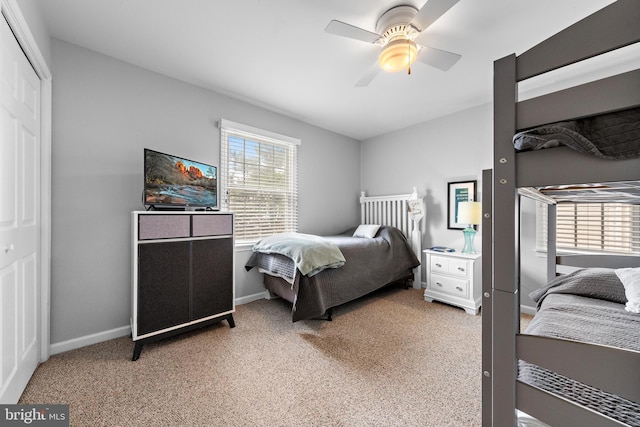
(454, 278)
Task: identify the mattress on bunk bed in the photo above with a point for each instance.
(608, 136)
(587, 306)
(371, 263)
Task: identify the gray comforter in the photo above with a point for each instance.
(370, 264)
(608, 136)
(586, 306)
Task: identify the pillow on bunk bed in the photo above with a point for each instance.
(601, 283)
(367, 230)
(630, 278)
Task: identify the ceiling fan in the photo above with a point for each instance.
(399, 32)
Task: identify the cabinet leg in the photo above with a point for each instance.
(136, 351)
(232, 323)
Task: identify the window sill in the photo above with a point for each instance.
(243, 247)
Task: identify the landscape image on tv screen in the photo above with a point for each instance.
(171, 180)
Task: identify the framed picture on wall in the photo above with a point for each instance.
(460, 191)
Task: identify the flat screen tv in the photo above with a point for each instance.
(174, 182)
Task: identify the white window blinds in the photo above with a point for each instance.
(258, 180)
(593, 227)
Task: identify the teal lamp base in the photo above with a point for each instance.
(469, 234)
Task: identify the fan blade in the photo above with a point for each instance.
(438, 58)
(430, 12)
(368, 76)
(340, 28)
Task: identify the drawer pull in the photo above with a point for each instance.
(460, 268)
(438, 265)
(459, 288)
(439, 284)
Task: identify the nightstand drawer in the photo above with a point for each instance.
(449, 285)
(458, 267)
(453, 266)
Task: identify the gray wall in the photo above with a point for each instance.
(456, 147)
(105, 112)
(428, 156)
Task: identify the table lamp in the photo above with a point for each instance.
(469, 213)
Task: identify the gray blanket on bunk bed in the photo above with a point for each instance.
(370, 265)
(587, 306)
(608, 136)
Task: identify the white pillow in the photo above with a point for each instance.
(366, 230)
(630, 278)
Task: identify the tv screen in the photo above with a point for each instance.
(171, 181)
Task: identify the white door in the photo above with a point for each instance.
(19, 218)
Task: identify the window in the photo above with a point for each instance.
(258, 181)
(592, 227)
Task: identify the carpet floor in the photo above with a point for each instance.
(388, 359)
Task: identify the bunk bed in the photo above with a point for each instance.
(384, 249)
(614, 370)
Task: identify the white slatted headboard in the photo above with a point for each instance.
(403, 211)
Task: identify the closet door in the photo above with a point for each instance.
(19, 218)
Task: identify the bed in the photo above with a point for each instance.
(586, 306)
(611, 369)
(383, 249)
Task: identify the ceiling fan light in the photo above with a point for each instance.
(398, 55)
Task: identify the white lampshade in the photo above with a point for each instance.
(469, 212)
(398, 55)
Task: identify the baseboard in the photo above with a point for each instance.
(250, 298)
(528, 310)
(123, 331)
(86, 340)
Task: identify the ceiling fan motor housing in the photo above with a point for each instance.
(395, 23)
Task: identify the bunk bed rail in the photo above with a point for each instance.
(547, 352)
(613, 27)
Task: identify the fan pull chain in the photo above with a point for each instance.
(409, 56)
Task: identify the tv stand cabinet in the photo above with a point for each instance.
(183, 273)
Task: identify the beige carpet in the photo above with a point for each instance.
(389, 359)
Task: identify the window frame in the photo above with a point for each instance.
(266, 141)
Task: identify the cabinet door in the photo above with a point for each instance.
(163, 285)
(212, 263)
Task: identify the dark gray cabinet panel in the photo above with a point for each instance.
(163, 285)
(212, 267)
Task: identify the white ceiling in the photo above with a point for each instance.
(275, 53)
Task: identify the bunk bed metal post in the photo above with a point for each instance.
(505, 312)
(487, 251)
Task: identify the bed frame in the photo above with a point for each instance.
(403, 211)
(613, 27)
